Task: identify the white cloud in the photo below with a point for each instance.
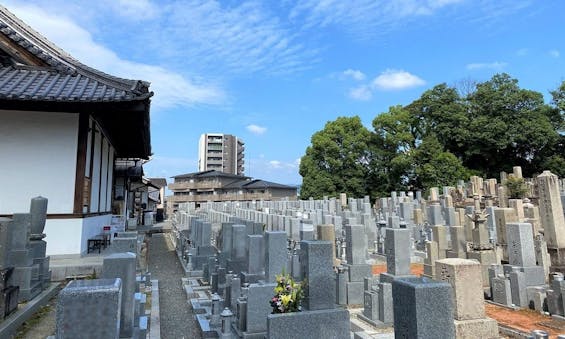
(134, 9)
(396, 80)
(171, 88)
(354, 74)
(256, 129)
(362, 93)
(554, 53)
(275, 164)
(492, 65)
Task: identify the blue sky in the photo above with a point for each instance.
(274, 72)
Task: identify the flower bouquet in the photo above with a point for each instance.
(288, 295)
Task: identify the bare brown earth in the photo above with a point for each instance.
(416, 269)
(523, 320)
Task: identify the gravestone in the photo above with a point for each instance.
(326, 232)
(465, 277)
(316, 265)
(89, 309)
(521, 252)
(423, 308)
(122, 265)
(255, 259)
(258, 307)
(552, 217)
(276, 254)
(458, 243)
(397, 257)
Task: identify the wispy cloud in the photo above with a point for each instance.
(492, 65)
(396, 80)
(171, 88)
(277, 164)
(240, 37)
(363, 18)
(362, 93)
(354, 74)
(554, 53)
(256, 129)
(134, 9)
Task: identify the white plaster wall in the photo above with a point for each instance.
(37, 157)
(63, 236)
(93, 226)
(70, 236)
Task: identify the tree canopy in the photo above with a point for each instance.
(447, 134)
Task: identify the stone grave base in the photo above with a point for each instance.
(331, 323)
(485, 328)
(376, 323)
(251, 278)
(485, 258)
(355, 292)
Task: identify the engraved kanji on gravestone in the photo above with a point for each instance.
(445, 276)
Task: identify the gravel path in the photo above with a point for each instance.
(176, 315)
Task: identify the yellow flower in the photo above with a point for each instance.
(286, 299)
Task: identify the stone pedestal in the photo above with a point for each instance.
(89, 309)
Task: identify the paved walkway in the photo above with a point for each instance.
(176, 316)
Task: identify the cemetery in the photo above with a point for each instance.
(476, 259)
(476, 246)
(293, 269)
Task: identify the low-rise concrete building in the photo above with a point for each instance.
(217, 186)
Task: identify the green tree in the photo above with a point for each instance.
(516, 187)
(337, 160)
(437, 167)
(507, 126)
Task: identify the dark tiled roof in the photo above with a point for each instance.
(159, 182)
(210, 174)
(258, 183)
(60, 77)
(23, 83)
(36, 75)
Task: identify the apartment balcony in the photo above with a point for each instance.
(185, 185)
(219, 197)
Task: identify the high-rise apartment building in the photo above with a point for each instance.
(221, 152)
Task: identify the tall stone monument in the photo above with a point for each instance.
(552, 218)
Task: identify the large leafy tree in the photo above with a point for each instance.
(445, 135)
(508, 126)
(337, 160)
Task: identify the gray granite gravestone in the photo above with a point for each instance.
(423, 308)
(89, 309)
(122, 265)
(276, 254)
(316, 260)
